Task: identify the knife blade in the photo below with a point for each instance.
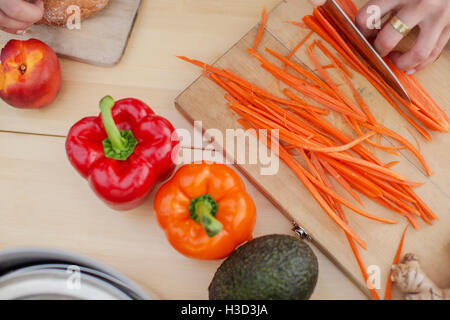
(352, 34)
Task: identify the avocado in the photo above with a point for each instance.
(273, 267)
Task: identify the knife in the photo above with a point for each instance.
(365, 49)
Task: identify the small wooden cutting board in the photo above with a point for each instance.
(101, 40)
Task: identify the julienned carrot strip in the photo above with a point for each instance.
(403, 212)
(388, 292)
(203, 65)
(302, 41)
(262, 28)
(340, 45)
(293, 104)
(227, 87)
(316, 132)
(282, 122)
(367, 164)
(383, 130)
(418, 99)
(265, 94)
(410, 120)
(318, 172)
(358, 258)
(391, 164)
(327, 66)
(297, 168)
(308, 89)
(343, 147)
(354, 176)
(341, 180)
(423, 101)
(307, 107)
(388, 203)
(313, 24)
(322, 177)
(392, 190)
(233, 77)
(320, 97)
(426, 120)
(298, 24)
(340, 199)
(419, 201)
(349, 8)
(319, 168)
(242, 82)
(330, 82)
(299, 141)
(347, 80)
(402, 204)
(312, 168)
(308, 75)
(288, 118)
(424, 217)
(370, 172)
(338, 39)
(419, 87)
(335, 61)
(249, 113)
(339, 135)
(306, 178)
(387, 149)
(322, 26)
(288, 93)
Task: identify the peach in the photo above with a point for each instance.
(30, 74)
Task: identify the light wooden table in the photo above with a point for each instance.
(43, 201)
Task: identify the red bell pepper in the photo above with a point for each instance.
(123, 152)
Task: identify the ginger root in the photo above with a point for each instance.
(414, 283)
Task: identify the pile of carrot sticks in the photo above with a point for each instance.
(422, 105)
(314, 149)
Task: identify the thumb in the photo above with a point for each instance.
(317, 2)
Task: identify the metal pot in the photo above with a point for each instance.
(43, 274)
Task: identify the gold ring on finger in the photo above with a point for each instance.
(399, 25)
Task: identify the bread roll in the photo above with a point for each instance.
(56, 10)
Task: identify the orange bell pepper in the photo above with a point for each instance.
(205, 211)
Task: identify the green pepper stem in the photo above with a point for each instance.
(203, 210)
(212, 225)
(118, 143)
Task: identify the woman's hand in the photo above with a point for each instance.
(431, 16)
(17, 15)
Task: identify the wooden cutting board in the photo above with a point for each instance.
(101, 40)
(203, 100)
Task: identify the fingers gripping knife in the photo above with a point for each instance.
(364, 48)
